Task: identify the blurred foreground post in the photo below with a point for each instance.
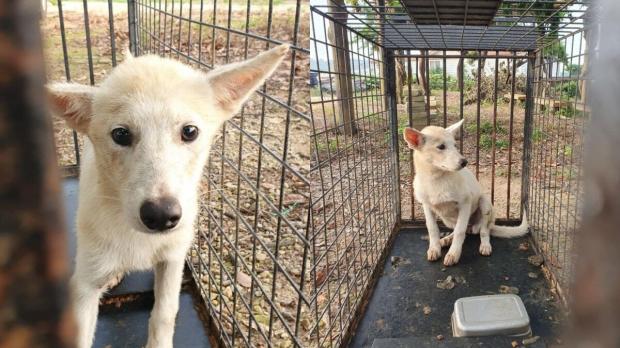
(596, 320)
(33, 259)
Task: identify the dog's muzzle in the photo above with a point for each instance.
(160, 214)
(463, 163)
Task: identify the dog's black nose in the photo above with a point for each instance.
(160, 214)
(463, 163)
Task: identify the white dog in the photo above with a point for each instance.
(149, 128)
(445, 187)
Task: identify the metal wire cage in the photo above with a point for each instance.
(515, 70)
(248, 260)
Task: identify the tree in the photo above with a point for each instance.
(342, 69)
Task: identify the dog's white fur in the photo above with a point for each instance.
(154, 98)
(448, 189)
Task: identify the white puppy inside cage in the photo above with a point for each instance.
(447, 188)
(149, 128)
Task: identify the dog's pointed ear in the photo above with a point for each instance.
(233, 84)
(73, 102)
(454, 129)
(413, 137)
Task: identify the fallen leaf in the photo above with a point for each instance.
(446, 284)
(294, 198)
(505, 289)
(535, 260)
(321, 276)
(427, 310)
(530, 340)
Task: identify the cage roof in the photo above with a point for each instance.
(517, 25)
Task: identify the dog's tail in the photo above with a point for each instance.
(510, 232)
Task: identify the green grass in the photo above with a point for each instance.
(486, 128)
(486, 142)
(568, 150)
(332, 145)
(538, 135)
(569, 112)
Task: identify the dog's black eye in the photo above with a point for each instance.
(441, 147)
(189, 133)
(121, 136)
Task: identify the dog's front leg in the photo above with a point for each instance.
(85, 297)
(168, 275)
(434, 247)
(454, 253)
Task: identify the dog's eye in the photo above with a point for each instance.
(121, 136)
(441, 147)
(189, 133)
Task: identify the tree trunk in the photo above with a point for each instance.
(342, 69)
(459, 73)
(583, 86)
(401, 78)
(422, 72)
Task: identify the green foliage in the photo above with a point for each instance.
(486, 142)
(372, 82)
(538, 135)
(574, 69)
(568, 90)
(545, 26)
(332, 146)
(436, 81)
(567, 111)
(556, 50)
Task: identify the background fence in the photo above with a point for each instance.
(488, 90)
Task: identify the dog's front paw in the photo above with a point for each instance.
(434, 252)
(486, 249)
(452, 257)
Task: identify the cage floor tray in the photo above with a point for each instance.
(490, 315)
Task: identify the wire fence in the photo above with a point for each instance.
(488, 90)
(352, 175)
(559, 118)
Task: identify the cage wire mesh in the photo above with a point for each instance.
(559, 118)
(81, 43)
(438, 62)
(352, 174)
(248, 260)
(487, 90)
